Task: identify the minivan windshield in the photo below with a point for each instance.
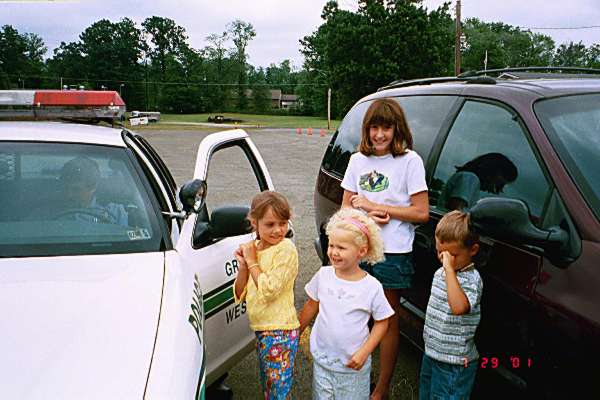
(68, 199)
(573, 126)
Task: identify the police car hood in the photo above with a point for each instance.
(78, 327)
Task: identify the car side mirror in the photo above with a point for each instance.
(509, 220)
(192, 195)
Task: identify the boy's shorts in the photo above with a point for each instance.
(395, 272)
(439, 380)
(333, 385)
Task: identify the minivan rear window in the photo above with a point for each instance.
(425, 115)
(572, 124)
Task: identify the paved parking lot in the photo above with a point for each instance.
(293, 161)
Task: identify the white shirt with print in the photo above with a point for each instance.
(341, 327)
(391, 181)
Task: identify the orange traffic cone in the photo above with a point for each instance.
(309, 131)
(299, 131)
(322, 132)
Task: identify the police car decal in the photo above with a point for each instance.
(218, 299)
(139, 234)
(196, 318)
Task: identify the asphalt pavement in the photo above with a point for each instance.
(293, 161)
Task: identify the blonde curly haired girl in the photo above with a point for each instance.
(350, 219)
(344, 297)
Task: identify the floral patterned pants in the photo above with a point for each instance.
(276, 354)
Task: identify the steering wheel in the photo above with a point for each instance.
(99, 214)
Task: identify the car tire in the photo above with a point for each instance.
(219, 390)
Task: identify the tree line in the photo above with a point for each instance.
(355, 53)
(152, 66)
(351, 52)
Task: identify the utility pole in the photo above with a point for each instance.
(457, 41)
(328, 108)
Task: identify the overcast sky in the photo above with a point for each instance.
(279, 24)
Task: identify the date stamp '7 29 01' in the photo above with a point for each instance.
(494, 362)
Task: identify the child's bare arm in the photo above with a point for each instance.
(308, 313)
(457, 299)
(346, 202)
(377, 333)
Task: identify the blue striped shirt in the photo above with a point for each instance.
(450, 338)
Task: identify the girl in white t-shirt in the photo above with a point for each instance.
(345, 297)
(386, 179)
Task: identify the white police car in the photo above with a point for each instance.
(107, 290)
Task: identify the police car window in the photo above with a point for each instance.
(487, 154)
(66, 199)
(231, 179)
(425, 116)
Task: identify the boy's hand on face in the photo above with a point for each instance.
(448, 261)
(358, 360)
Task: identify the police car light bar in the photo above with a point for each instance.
(51, 104)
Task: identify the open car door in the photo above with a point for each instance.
(232, 171)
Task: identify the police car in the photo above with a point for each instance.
(110, 285)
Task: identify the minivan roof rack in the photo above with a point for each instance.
(486, 80)
(500, 71)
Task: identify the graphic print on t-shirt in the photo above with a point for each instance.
(373, 182)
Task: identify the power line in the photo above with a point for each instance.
(560, 28)
(65, 78)
(555, 27)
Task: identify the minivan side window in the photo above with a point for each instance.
(346, 140)
(487, 154)
(425, 116)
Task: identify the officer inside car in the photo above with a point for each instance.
(79, 178)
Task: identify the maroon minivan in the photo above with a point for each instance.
(540, 228)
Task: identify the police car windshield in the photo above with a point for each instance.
(67, 199)
(572, 124)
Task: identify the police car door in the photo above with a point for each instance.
(234, 172)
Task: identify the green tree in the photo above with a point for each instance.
(261, 97)
(571, 55)
(68, 62)
(217, 69)
(594, 56)
(167, 41)
(112, 52)
(506, 46)
(311, 93)
(21, 58)
(241, 33)
(282, 76)
(191, 70)
(354, 53)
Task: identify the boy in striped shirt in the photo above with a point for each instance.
(450, 360)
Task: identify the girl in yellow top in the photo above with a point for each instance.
(268, 268)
